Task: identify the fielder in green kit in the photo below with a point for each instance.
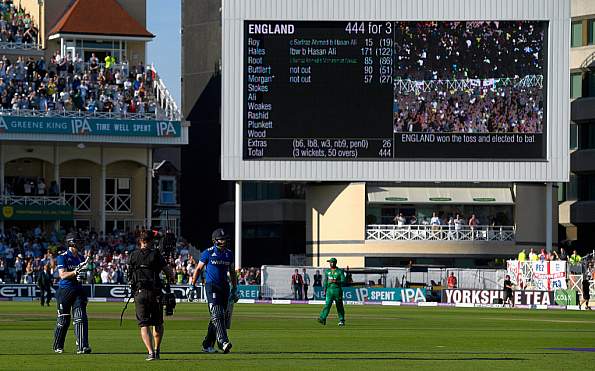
(334, 279)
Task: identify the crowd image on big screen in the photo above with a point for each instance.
(470, 77)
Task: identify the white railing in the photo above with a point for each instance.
(79, 114)
(19, 46)
(407, 86)
(164, 99)
(33, 200)
(387, 232)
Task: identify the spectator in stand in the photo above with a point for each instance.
(399, 220)
(109, 61)
(179, 276)
(28, 188)
(533, 256)
(473, 222)
(2, 270)
(242, 277)
(296, 284)
(553, 256)
(522, 256)
(451, 226)
(18, 266)
(105, 275)
(451, 282)
(41, 187)
(118, 275)
(28, 277)
(563, 254)
(44, 283)
(575, 258)
(306, 278)
(413, 220)
(458, 225)
(435, 222)
(542, 255)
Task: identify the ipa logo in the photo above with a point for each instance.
(165, 129)
(7, 212)
(80, 126)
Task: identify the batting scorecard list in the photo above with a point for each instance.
(324, 90)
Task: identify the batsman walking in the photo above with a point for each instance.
(334, 279)
(218, 264)
(71, 297)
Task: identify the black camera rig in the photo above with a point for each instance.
(165, 243)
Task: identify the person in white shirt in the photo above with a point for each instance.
(435, 222)
(458, 222)
(531, 255)
(105, 276)
(451, 224)
(41, 187)
(28, 188)
(399, 220)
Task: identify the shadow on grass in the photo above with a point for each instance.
(323, 355)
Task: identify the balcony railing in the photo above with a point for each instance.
(78, 114)
(386, 232)
(33, 201)
(19, 46)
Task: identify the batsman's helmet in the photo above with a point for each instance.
(219, 234)
(73, 239)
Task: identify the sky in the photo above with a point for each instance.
(164, 21)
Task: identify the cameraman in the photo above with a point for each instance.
(70, 295)
(144, 267)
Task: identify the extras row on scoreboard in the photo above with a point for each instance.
(394, 90)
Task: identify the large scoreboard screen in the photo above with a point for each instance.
(341, 90)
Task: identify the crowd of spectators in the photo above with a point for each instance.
(68, 83)
(468, 50)
(16, 26)
(23, 254)
(505, 109)
(543, 255)
(495, 54)
(26, 186)
(249, 276)
(451, 221)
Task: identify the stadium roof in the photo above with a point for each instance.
(99, 18)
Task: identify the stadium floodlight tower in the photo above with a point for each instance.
(390, 91)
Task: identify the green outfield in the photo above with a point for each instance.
(288, 337)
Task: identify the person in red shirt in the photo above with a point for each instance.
(296, 284)
(451, 282)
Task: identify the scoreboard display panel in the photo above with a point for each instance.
(394, 90)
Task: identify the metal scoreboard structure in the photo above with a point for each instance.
(385, 90)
